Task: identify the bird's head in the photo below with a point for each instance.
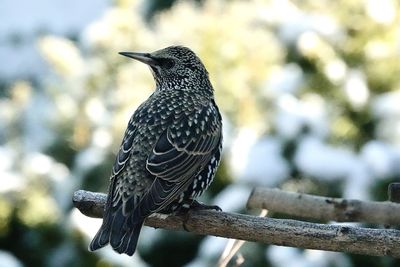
(174, 67)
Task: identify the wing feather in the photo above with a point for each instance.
(124, 152)
(178, 156)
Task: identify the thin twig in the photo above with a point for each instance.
(233, 246)
(377, 242)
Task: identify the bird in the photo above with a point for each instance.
(170, 150)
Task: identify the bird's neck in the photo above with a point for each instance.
(202, 87)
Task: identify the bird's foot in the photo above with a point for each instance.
(196, 205)
(193, 205)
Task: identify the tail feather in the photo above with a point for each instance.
(129, 241)
(124, 232)
(102, 236)
(118, 229)
(100, 240)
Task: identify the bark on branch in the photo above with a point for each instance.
(377, 242)
(324, 208)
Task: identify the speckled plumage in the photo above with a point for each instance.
(170, 151)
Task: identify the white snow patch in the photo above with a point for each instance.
(56, 173)
(335, 70)
(11, 181)
(88, 158)
(9, 260)
(102, 138)
(240, 148)
(284, 256)
(293, 257)
(389, 129)
(386, 105)
(89, 227)
(7, 157)
(23, 22)
(20, 61)
(63, 17)
(356, 89)
(278, 12)
(317, 159)
(95, 110)
(381, 158)
(294, 26)
(212, 247)
(232, 198)
(358, 182)
(326, 258)
(86, 225)
(198, 262)
(36, 118)
(37, 163)
(286, 79)
(383, 11)
(265, 164)
(294, 114)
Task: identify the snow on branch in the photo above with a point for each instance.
(325, 208)
(283, 232)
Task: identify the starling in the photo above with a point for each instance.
(170, 151)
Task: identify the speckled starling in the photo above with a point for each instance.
(170, 151)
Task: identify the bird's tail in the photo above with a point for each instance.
(102, 237)
(120, 231)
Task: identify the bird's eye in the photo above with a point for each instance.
(166, 63)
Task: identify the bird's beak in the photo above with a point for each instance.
(142, 57)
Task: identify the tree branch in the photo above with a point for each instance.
(377, 242)
(324, 208)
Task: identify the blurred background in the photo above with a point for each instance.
(309, 91)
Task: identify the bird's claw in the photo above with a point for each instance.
(194, 205)
(200, 206)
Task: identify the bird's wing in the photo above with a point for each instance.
(114, 198)
(124, 152)
(179, 154)
(115, 194)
